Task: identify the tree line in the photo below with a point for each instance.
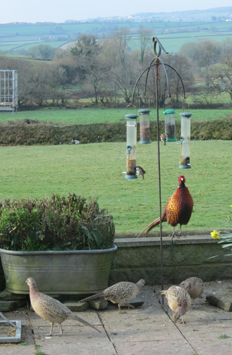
(104, 71)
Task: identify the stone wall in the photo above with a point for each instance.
(138, 258)
(185, 257)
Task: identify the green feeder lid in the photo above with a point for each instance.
(186, 114)
(131, 116)
(144, 111)
(169, 112)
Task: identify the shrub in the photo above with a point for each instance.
(56, 223)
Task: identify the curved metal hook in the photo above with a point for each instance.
(151, 65)
(167, 78)
(148, 70)
(132, 99)
(155, 40)
(179, 78)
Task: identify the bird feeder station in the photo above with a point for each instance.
(170, 126)
(131, 139)
(185, 140)
(144, 121)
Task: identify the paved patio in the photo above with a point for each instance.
(145, 330)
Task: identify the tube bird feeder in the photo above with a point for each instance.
(185, 140)
(131, 139)
(170, 125)
(144, 121)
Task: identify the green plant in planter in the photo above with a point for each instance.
(56, 223)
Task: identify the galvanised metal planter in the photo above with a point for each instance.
(58, 272)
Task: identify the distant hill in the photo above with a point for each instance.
(214, 14)
(174, 28)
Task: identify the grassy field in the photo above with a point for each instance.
(173, 41)
(94, 115)
(97, 170)
(172, 34)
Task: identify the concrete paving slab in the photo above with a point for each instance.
(146, 330)
(17, 350)
(75, 338)
(80, 347)
(204, 325)
(42, 327)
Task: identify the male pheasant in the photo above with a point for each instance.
(178, 209)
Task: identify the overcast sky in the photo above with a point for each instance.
(60, 10)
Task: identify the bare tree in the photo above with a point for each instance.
(33, 52)
(182, 66)
(124, 76)
(204, 53)
(222, 75)
(92, 66)
(120, 40)
(145, 37)
(46, 51)
(43, 51)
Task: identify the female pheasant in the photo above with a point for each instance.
(177, 211)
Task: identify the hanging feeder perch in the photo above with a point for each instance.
(170, 125)
(144, 120)
(131, 139)
(185, 140)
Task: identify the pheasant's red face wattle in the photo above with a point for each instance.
(181, 178)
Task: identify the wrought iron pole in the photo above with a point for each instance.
(157, 62)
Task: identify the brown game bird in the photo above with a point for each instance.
(119, 293)
(50, 309)
(194, 287)
(178, 209)
(178, 300)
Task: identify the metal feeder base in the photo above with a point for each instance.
(144, 142)
(130, 177)
(185, 166)
(18, 332)
(171, 140)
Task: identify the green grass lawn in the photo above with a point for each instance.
(97, 170)
(98, 115)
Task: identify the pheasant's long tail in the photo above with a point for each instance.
(75, 317)
(93, 297)
(155, 223)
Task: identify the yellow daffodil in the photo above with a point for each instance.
(215, 234)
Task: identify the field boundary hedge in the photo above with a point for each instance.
(44, 134)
